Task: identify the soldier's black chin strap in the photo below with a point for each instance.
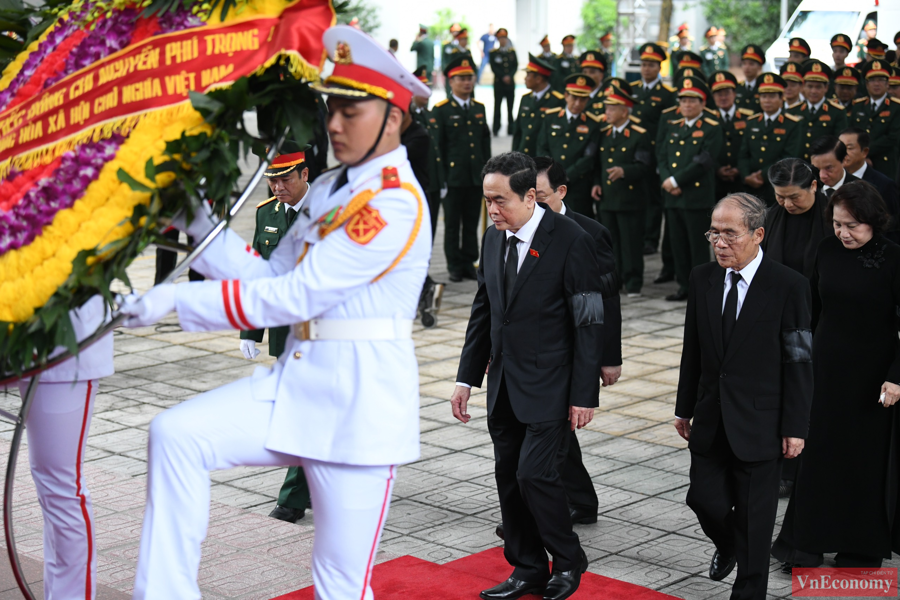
(387, 114)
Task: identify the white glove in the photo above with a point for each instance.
(149, 308)
(443, 192)
(202, 224)
(248, 347)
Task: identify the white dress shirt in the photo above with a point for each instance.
(836, 186)
(570, 115)
(815, 107)
(729, 114)
(620, 128)
(541, 94)
(652, 84)
(461, 102)
(876, 102)
(767, 118)
(747, 275)
(525, 235)
(862, 170)
(750, 84)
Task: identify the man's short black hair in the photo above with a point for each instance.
(556, 173)
(518, 167)
(393, 44)
(826, 145)
(862, 136)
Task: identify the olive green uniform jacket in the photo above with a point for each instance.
(632, 150)
(463, 140)
(884, 132)
(690, 155)
(763, 146)
(531, 115)
(830, 119)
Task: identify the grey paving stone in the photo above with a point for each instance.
(637, 572)
(631, 451)
(644, 480)
(409, 516)
(612, 536)
(661, 514)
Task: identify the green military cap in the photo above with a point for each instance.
(875, 68)
(897, 39)
(800, 46)
(846, 76)
(653, 52)
(618, 94)
(593, 59)
(687, 59)
(569, 39)
(421, 73)
(539, 65)
(816, 71)
(460, 65)
(875, 48)
(687, 72)
(693, 87)
(722, 80)
(579, 84)
(771, 83)
(841, 41)
(291, 157)
(754, 53)
(894, 79)
(617, 81)
(423, 28)
(791, 71)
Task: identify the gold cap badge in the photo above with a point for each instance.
(342, 54)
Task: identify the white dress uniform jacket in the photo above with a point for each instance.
(349, 402)
(94, 363)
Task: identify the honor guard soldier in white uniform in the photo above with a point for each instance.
(343, 399)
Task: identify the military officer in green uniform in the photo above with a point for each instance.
(798, 50)
(423, 46)
(459, 46)
(879, 114)
(753, 58)
(714, 54)
(419, 112)
(539, 98)
(504, 65)
(464, 146)
(546, 53)
(686, 154)
(570, 136)
(820, 117)
(653, 96)
(593, 64)
(793, 84)
(625, 161)
(770, 136)
(566, 64)
(288, 180)
(871, 30)
(846, 87)
(733, 120)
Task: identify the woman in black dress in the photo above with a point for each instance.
(845, 495)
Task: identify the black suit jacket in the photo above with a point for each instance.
(609, 287)
(889, 193)
(547, 344)
(761, 387)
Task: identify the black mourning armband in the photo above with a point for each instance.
(609, 285)
(796, 346)
(644, 157)
(587, 309)
(705, 160)
(591, 149)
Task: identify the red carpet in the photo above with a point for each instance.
(412, 578)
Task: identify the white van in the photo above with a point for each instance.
(816, 21)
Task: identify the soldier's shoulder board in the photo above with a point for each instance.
(607, 128)
(593, 117)
(669, 88)
(442, 102)
(558, 95)
(795, 104)
(494, 50)
(636, 83)
(746, 112)
(551, 111)
(634, 119)
(264, 202)
(836, 104)
(639, 129)
(670, 109)
(863, 99)
(474, 101)
(794, 118)
(710, 121)
(677, 121)
(711, 111)
(528, 93)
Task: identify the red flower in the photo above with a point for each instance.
(48, 68)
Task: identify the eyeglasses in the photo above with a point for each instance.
(729, 238)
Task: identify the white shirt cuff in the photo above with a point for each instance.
(681, 418)
(672, 180)
(465, 385)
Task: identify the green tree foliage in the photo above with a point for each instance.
(598, 17)
(747, 21)
(362, 10)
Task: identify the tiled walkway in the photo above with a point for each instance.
(445, 505)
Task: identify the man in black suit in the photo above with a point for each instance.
(537, 320)
(857, 143)
(746, 381)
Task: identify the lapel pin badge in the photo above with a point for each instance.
(534, 253)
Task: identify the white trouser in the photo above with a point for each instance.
(57, 429)
(225, 428)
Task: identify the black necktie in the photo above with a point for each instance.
(829, 192)
(729, 315)
(291, 214)
(340, 180)
(512, 267)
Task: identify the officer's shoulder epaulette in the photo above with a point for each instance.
(746, 112)
(636, 83)
(794, 118)
(711, 111)
(634, 119)
(442, 102)
(474, 101)
(858, 100)
(669, 88)
(528, 93)
(710, 121)
(607, 128)
(638, 128)
(836, 104)
(670, 109)
(795, 104)
(551, 111)
(593, 117)
(676, 121)
(264, 202)
(558, 95)
(494, 50)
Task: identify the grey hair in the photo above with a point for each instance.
(753, 209)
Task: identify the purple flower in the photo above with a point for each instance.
(39, 205)
(177, 21)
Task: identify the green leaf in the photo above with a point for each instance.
(150, 170)
(133, 183)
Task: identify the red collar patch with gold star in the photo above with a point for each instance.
(365, 225)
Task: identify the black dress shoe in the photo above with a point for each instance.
(499, 532)
(787, 568)
(512, 588)
(785, 488)
(677, 297)
(664, 277)
(720, 566)
(291, 515)
(649, 249)
(470, 272)
(563, 584)
(455, 276)
(582, 516)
